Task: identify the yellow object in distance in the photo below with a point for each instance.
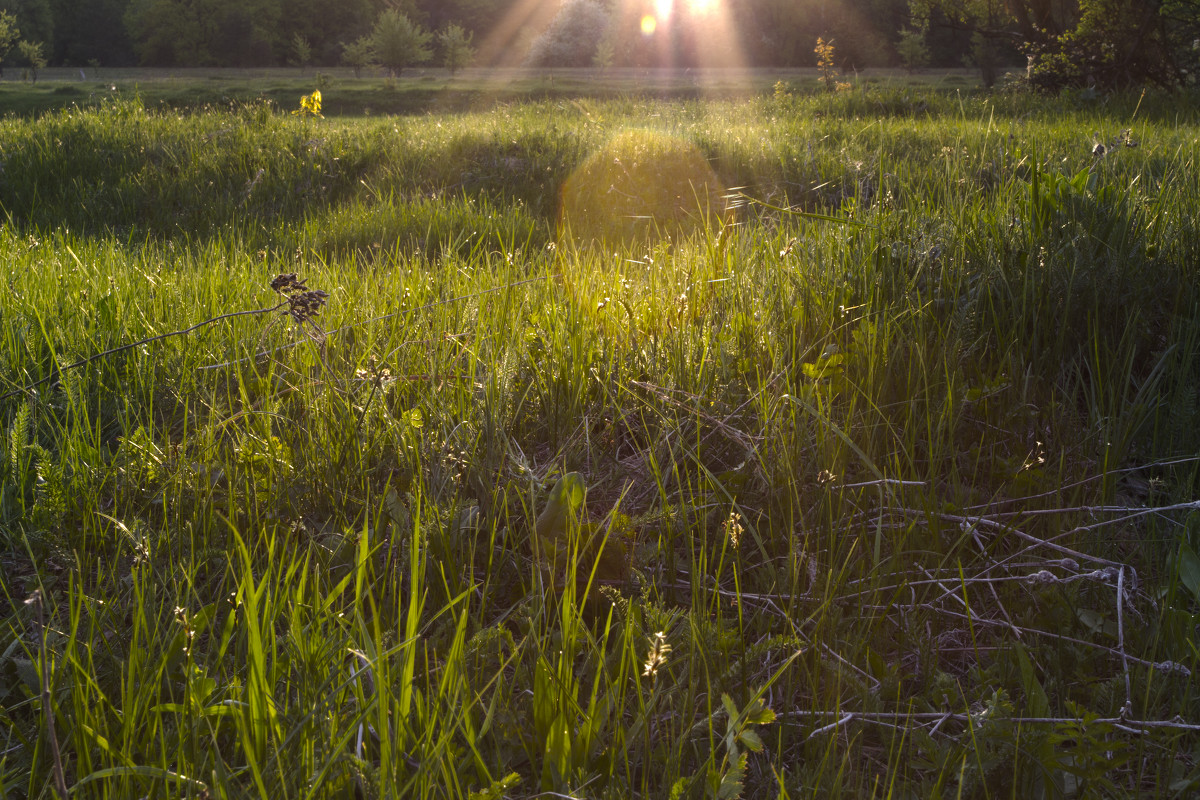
(310, 104)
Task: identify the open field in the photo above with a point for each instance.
(796, 445)
(420, 89)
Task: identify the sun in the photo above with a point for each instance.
(660, 33)
(664, 11)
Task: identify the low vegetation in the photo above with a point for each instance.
(338, 463)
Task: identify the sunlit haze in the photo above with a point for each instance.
(658, 33)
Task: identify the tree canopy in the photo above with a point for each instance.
(398, 42)
(1107, 44)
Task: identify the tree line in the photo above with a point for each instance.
(1102, 43)
(236, 33)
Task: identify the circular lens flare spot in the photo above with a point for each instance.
(641, 185)
(649, 25)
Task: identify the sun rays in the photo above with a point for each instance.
(645, 33)
(642, 184)
(678, 33)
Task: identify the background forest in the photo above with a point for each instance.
(1102, 43)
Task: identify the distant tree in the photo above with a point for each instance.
(826, 64)
(786, 29)
(34, 18)
(233, 33)
(606, 53)
(912, 49)
(985, 56)
(359, 54)
(457, 51)
(90, 30)
(326, 24)
(32, 53)
(1182, 21)
(476, 17)
(1107, 44)
(398, 42)
(1116, 44)
(1011, 20)
(573, 36)
(301, 51)
(9, 34)
(989, 25)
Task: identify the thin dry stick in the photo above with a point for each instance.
(1041, 576)
(1033, 540)
(83, 362)
(302, 305)
(1130, 512)
(352, 325)
(740, 437)
(769, 602)
(770, 382)
(880, 482)
(1121, 638)
(1169, 667)
(60, 778)
(1130, 725)
(1058, 490)
(832, 726)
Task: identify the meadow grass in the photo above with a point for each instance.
(886, 476)
(422, 89)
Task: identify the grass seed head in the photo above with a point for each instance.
(656, 657)
(734, 529)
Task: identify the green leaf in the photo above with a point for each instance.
(497, 789)
(731, 782)
(824, 367)
(1035, 695)
(730, 708)
(1096, 622)
(1184, 784)
(759, 714)
(150, 773)
(396, 512)
(565, 498)
(751, 740)
(562, 505)
(1188, 567)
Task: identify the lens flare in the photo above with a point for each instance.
(640, 185)
(649, 25)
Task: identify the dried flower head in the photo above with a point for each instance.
(306, 305)
(288, 283)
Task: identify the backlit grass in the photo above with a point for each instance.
(880, 483)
